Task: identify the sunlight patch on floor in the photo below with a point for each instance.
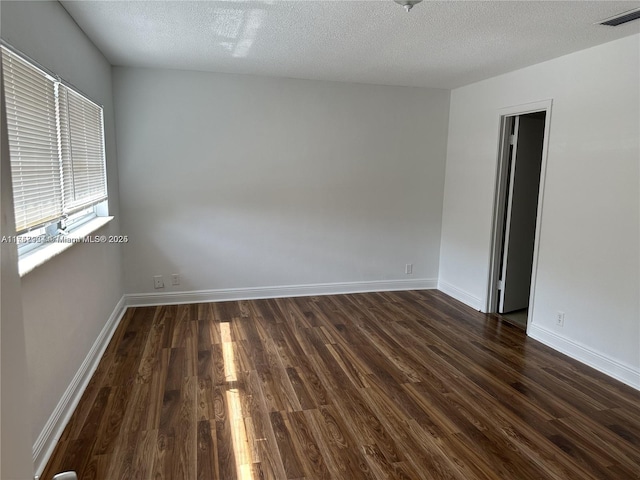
(241, 451)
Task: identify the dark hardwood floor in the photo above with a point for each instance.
(403, 385)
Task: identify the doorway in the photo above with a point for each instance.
(517, 209)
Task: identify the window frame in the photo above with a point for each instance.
(47, 239)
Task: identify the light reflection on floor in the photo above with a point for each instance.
(241, 450)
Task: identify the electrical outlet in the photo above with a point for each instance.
(158, 282)
(560, 319)
(175, 279)
(408, 268)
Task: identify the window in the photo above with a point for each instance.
(56, 145)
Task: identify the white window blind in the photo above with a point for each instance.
(33, 143)
(82, 148)
(56, 144)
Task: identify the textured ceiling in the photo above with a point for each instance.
(438, 44)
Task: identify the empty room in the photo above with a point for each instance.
(288, 240)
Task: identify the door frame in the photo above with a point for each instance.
(505, 117)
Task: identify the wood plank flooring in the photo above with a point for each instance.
(400, 385)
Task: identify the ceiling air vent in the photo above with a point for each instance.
(622, 18)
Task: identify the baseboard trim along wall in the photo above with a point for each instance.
(253, 293)
(609, 366)
(53, 429)
(460, 295)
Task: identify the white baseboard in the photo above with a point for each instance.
(53, 429)
(603, 363)
(460, 295)
(202, 296)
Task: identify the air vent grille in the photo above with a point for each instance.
(622, 18)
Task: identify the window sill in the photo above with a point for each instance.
(41, 255)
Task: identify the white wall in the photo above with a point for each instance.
(241, 181)
(68, 300)
(589, 264)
